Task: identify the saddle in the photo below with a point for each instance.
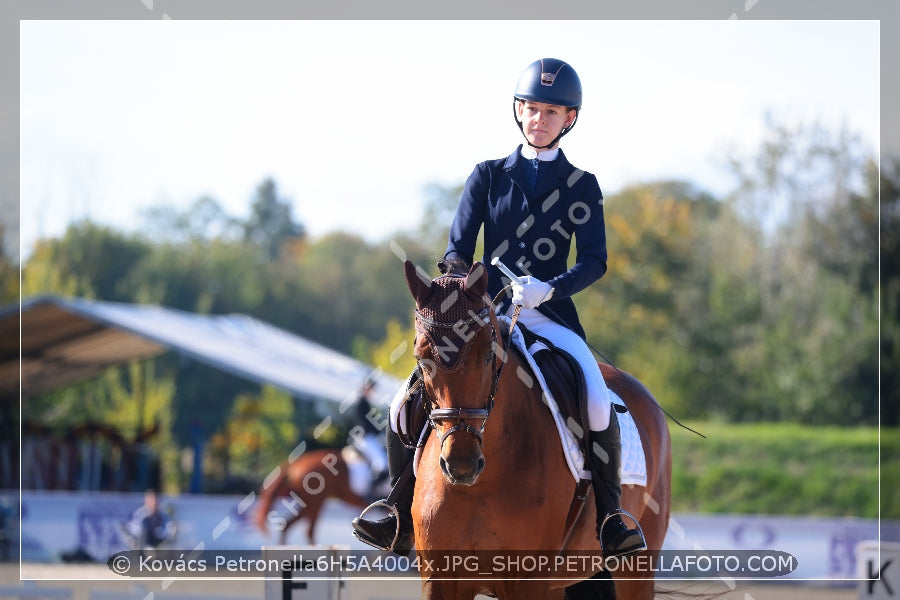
(564, 378)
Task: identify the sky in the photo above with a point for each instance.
(354, 119)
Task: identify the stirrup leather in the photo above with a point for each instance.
(367, 540)
(637, 525)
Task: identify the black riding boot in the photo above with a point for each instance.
(383, 533)
(616, 539)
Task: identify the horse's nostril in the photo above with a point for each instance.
(448, 471)
(480, 467)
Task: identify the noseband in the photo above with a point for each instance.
(459, 416)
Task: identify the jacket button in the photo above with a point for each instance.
(521, 244)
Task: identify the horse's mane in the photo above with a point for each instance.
(454, 266)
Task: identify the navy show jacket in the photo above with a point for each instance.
(532, 232)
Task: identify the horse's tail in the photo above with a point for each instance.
(272, 487)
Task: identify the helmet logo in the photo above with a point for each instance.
(548, 78)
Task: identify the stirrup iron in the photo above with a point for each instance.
(366, 540)
(620, 512)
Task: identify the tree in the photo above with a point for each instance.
(203, 220)
(350, 288)
(90, 260)
(9, 275)
(131, 403)
(815, 338)
(890, 292)
(207, 276)
(271, 224)
(440, 206)
(259, 433)
(647, 313)
(394, 354)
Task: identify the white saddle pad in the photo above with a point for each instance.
(634, 465)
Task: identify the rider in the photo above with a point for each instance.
(531, 204)
(366, 435)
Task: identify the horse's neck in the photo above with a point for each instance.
(517, 425)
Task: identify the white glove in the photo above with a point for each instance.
(531, 292)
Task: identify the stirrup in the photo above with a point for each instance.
(637, 525)
(367, 540)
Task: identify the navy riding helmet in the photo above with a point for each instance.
(551, 81)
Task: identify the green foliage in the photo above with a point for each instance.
(758, 307)
(133, 403)
(890, 289)
(215, 277)
(438, 214)
(814, 348)
(131, 398)
(9, 275)
(784, 468)
(203, 220)
(395, 352)
(90, 260)
(271, 224)
(259, 432)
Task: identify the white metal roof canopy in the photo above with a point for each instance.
(66, 340)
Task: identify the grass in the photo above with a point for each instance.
(785, 469)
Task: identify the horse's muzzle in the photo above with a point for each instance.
(462, 472)
(461, 458)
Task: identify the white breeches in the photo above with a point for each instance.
(372, 447)
(598, 401)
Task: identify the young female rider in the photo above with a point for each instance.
(531, 204)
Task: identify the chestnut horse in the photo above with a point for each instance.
(494, 477)
(303, 485)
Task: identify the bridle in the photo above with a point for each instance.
(460, 416)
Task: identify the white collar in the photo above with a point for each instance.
(547, 155)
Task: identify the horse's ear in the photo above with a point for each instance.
(476, 280)
(420, 284)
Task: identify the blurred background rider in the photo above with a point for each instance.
(366, 437)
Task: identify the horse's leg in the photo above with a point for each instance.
(556, 594)
(432, 590)
(530, 590)
(598, 587)
(636, 589)
(282, 539)
(312, 515)
(445, 589)
(350, 497)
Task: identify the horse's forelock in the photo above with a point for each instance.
(446, 319)
(449, 301)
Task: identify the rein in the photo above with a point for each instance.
(458, 415)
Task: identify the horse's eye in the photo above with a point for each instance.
(420, 351)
